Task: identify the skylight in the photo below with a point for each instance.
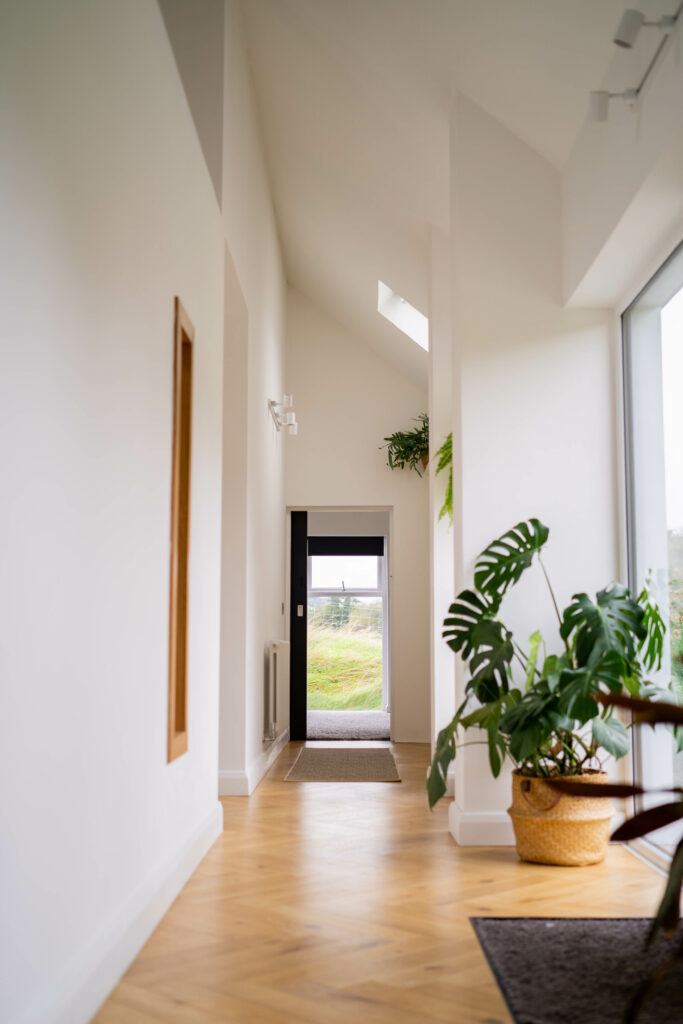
(402, 315)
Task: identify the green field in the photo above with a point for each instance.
(675, 636)
(344, 669)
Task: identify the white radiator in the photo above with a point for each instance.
(276, 682)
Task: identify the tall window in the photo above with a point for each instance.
(653, 367)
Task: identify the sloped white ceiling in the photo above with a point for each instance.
(354, 97)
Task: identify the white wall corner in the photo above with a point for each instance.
(244, 782)
(480, 828)
(233, 783)
(93, 973)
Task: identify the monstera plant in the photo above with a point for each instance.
(538, 707)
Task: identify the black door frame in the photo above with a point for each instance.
(298, 622)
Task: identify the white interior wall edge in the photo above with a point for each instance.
(525, 364)
(243, 783)
(252, 238)
(442, 588)
(88, 979)
(108, 212)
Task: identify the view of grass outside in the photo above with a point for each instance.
(676, 608)
(344, 654)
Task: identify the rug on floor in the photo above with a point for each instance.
(571, 970)
(344, 764)
(347, 725)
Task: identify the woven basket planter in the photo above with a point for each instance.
(553, 828)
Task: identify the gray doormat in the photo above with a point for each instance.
(347, 725)
(344, 764)
(579, 970)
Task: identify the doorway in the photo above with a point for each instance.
(339, 679)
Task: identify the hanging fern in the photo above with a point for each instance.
(409, 447)
(444, 460)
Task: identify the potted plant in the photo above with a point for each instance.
(409, 447)
(550, 724)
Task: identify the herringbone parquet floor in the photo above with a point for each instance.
(334, 903)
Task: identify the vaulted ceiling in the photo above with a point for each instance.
(354, 99)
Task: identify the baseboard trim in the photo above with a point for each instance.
(243, 783)
(88, 979)
(233, 783)
(480, 828)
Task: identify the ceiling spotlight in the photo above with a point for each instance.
(629, 27)
(632, 21)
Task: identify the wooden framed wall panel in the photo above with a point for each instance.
(180, 531)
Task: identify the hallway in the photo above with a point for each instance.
(330, 903)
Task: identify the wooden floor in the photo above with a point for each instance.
(329, 903)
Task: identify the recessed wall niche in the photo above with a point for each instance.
(183, 343)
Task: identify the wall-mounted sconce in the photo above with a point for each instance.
(283, 414)
(626, 35)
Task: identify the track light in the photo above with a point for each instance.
(626, 35)
(629, 28)
(631, 23)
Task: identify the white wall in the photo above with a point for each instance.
(441, 416)
(107, 213)
(537, 389)
(258, 301)
(347, 400)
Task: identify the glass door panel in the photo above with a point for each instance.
(653, 365)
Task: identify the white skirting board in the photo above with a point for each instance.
(480, 828)
(89, 978)
(243, 783)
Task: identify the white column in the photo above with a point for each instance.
(442, 660)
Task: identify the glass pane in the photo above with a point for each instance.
(672, 378)
(344, 572)
(654, 328)
(345, 663)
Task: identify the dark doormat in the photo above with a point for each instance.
(579, 970)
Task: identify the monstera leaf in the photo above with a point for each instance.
(531, 721)
(652, 647)
(483, 641)
(467, 612)
(614, 622)
(444, 753)
(612, 735)
(504, 561)
(490, 663)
